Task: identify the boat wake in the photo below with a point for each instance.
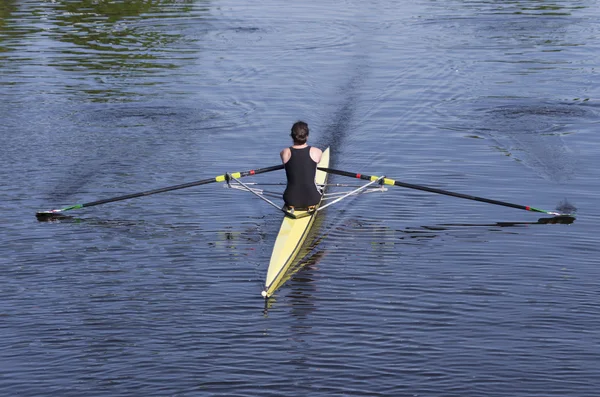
(533, 135)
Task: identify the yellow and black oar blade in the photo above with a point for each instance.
(387, 181)
(57, 213)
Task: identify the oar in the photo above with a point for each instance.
(387, 181)
(43, 215)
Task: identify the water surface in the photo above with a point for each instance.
(401, 293)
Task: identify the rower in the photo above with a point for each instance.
(300, 162)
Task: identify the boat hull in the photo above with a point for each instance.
(291, 237)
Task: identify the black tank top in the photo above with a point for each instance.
(301, 190)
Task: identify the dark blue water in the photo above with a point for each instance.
(401, 293)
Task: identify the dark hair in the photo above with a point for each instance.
(300, 132)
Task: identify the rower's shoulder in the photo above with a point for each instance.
(315, 154)
(285, 154)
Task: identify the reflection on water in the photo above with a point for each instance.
(519, 7)
(112, 36)
(6, 8)
(107, 50)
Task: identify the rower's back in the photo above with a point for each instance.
(300, 169)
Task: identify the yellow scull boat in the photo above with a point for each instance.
(292, 234)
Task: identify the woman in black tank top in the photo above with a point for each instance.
(300, 162)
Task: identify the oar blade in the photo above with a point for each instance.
(564, 219)
(50, 216)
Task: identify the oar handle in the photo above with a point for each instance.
(387, 181)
